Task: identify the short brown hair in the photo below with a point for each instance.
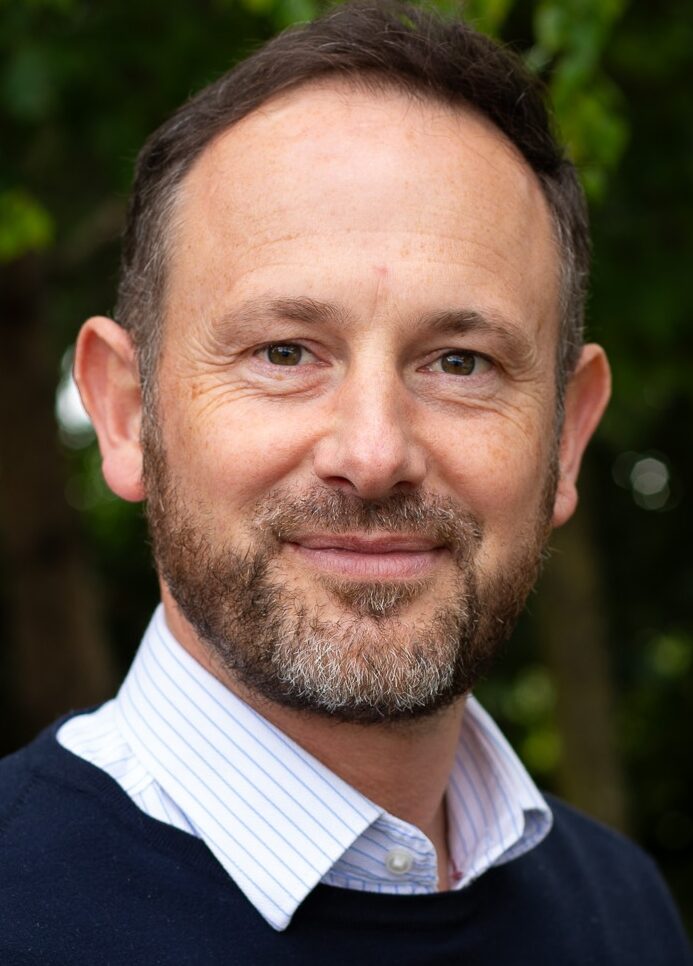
(389, 44)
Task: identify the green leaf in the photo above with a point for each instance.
(287, 12)
(552, 26)
(487, 15)
(25, 225)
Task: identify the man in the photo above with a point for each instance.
(347, 376)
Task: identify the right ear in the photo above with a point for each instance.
(107, 376)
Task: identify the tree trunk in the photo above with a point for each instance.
(57, 656)
(573, 632)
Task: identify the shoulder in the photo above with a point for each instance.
(42, 821)
(596, 856)
(78, 859)
(49, 795)
(64, 819)
(59, 810)
(598, 878)
(587, 894)
(19, 772)
(587, 846)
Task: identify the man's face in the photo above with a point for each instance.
(351, 477)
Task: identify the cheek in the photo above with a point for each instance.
(501, 477)
(235, 456)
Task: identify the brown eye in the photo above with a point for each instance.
(284, 354)
(458, 363)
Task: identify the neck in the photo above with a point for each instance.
(403, 767)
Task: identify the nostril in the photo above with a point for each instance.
(406, 486)
(340, 483)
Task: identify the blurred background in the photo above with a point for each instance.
(596, 689)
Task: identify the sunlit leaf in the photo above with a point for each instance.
(487, 15)
(25, 225)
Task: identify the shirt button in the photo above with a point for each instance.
(399, 861)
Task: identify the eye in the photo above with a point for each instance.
(284, 354)
(461, 363)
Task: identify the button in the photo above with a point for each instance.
(399, 861)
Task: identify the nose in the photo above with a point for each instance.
(369, 448)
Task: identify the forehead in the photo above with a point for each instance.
(329, 181)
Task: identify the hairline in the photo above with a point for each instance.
(149, 338)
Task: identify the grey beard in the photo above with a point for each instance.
(372, 665)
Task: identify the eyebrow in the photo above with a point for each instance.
(514, 342)
(459, 322)
(255, 311)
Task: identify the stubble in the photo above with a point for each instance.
(372, 663)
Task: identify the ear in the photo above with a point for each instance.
(587, 395)
(107, 376)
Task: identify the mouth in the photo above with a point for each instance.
(379, 557)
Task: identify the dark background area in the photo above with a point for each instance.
(596, 689)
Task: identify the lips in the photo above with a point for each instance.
(386, 543)
(369, 557)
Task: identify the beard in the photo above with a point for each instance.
(372, 663)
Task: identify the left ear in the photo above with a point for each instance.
(587, 394)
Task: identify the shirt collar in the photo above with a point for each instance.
(276, 818)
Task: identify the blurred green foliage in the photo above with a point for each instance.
(25, 226)
(82, 84)
(570, 38)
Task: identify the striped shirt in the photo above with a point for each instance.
(190, 753)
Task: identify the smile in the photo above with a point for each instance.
(386, 557)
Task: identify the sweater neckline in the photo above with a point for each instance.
(46, 756)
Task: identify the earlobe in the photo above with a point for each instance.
(587, 395)
(107, 376)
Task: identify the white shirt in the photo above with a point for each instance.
(190, 753)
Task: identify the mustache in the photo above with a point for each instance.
(285, 514)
